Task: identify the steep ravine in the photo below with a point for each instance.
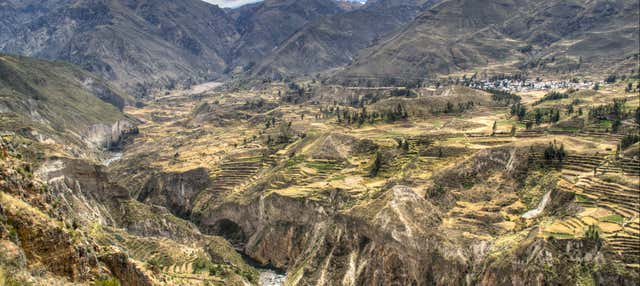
(318, 244)
(395, 238)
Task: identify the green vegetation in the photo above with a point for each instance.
(377, 164)
(583, 275)
(613, 218)
(59, 95)
(107, 282)
(628, 140)
(554, 152)
(592, 232)
(504, 97)
(536, 185)
(203, 265)
(554, 95)
(583, 199)
(518, 110)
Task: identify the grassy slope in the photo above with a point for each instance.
(54, 99)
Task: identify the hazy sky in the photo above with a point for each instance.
(231, 3)
(237, 3)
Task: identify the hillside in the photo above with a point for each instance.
(63, 218)
(506, 36)
(426, 186)
(137, 45)
(334, 41)
(58, 103)
(265, 25)
(319, 142)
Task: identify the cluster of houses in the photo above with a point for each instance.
(513, 85)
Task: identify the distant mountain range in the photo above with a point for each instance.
(508, 35)
(146, 44)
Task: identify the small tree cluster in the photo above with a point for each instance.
(538, 115)
(553, 152)
(629, 140)
(611, 78)
(402, 143)
(518, 110)
(571, 107)
(554, 95)
(614, 111)
(461, 107)
(295, 94)
(503, 97)
(377, 164)
(592, 232)
(401, 92)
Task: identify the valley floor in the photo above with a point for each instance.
(364, 186)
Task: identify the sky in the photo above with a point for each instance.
(231, 3)
(238, 3)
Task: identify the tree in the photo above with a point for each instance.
(449, 107)
(549, 152)
(560, 153)
(493, 128)
(538, 116)
(592, 233)
(629, 140)
(570, 109)
(615, 126)
(522, 112)
(611, 79)
(377, 164)
(528, 125)
(555, 117)
(553, 152)
(405, 145)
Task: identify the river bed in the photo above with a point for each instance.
(270, 277)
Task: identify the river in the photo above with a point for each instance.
(270, 277)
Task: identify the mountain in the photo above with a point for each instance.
(334, 41)
(265, 25)
(514, 35)
(309, 160)
(63, 213)
(348, 5)
(55, 102)
(136, 44)
(151, 44)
